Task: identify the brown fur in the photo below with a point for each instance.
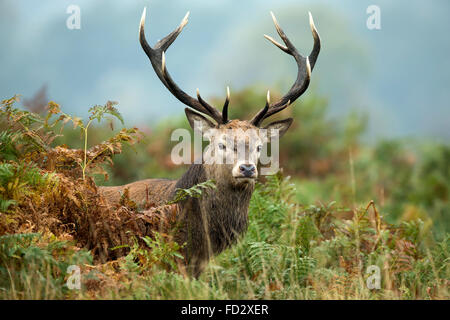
(155, 191)
(237, 124)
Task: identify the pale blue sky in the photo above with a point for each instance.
(399, 74)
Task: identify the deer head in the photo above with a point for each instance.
(235, 143)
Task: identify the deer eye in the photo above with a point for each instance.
(258, 148)
(221, 146)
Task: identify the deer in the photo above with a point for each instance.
(215, 221)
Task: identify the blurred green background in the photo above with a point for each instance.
(398, 74)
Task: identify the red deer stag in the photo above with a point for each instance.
(213, 222)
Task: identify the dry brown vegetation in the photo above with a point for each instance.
(64, 203)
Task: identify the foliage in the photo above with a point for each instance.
(44, 188)
(193, 192)
(347, 206)
(33, 267)
(158, 251)
(312, 252)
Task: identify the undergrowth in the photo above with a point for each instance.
(52, 217)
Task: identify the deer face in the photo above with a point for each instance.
(234, 148)
(238, 148)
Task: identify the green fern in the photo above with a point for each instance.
(31, 270)
(195, 191)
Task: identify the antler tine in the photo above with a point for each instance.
(225, 107)
(273, 111)
(158, 61)
(289, 46)
(284, 48)
(209, 108)
(165, 42)
(259, 117)
(316, 48)
(304, 65)
(297, 89)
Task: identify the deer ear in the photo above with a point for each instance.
(198, 121)
(278, 128)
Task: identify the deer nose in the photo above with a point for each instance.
(247, 170)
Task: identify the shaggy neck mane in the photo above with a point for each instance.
(222, 212)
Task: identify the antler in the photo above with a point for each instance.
(305, 65)
(158, 60)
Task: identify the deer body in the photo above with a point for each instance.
(139, 191)
(213, 222)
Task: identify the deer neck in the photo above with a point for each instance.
(222, 213)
